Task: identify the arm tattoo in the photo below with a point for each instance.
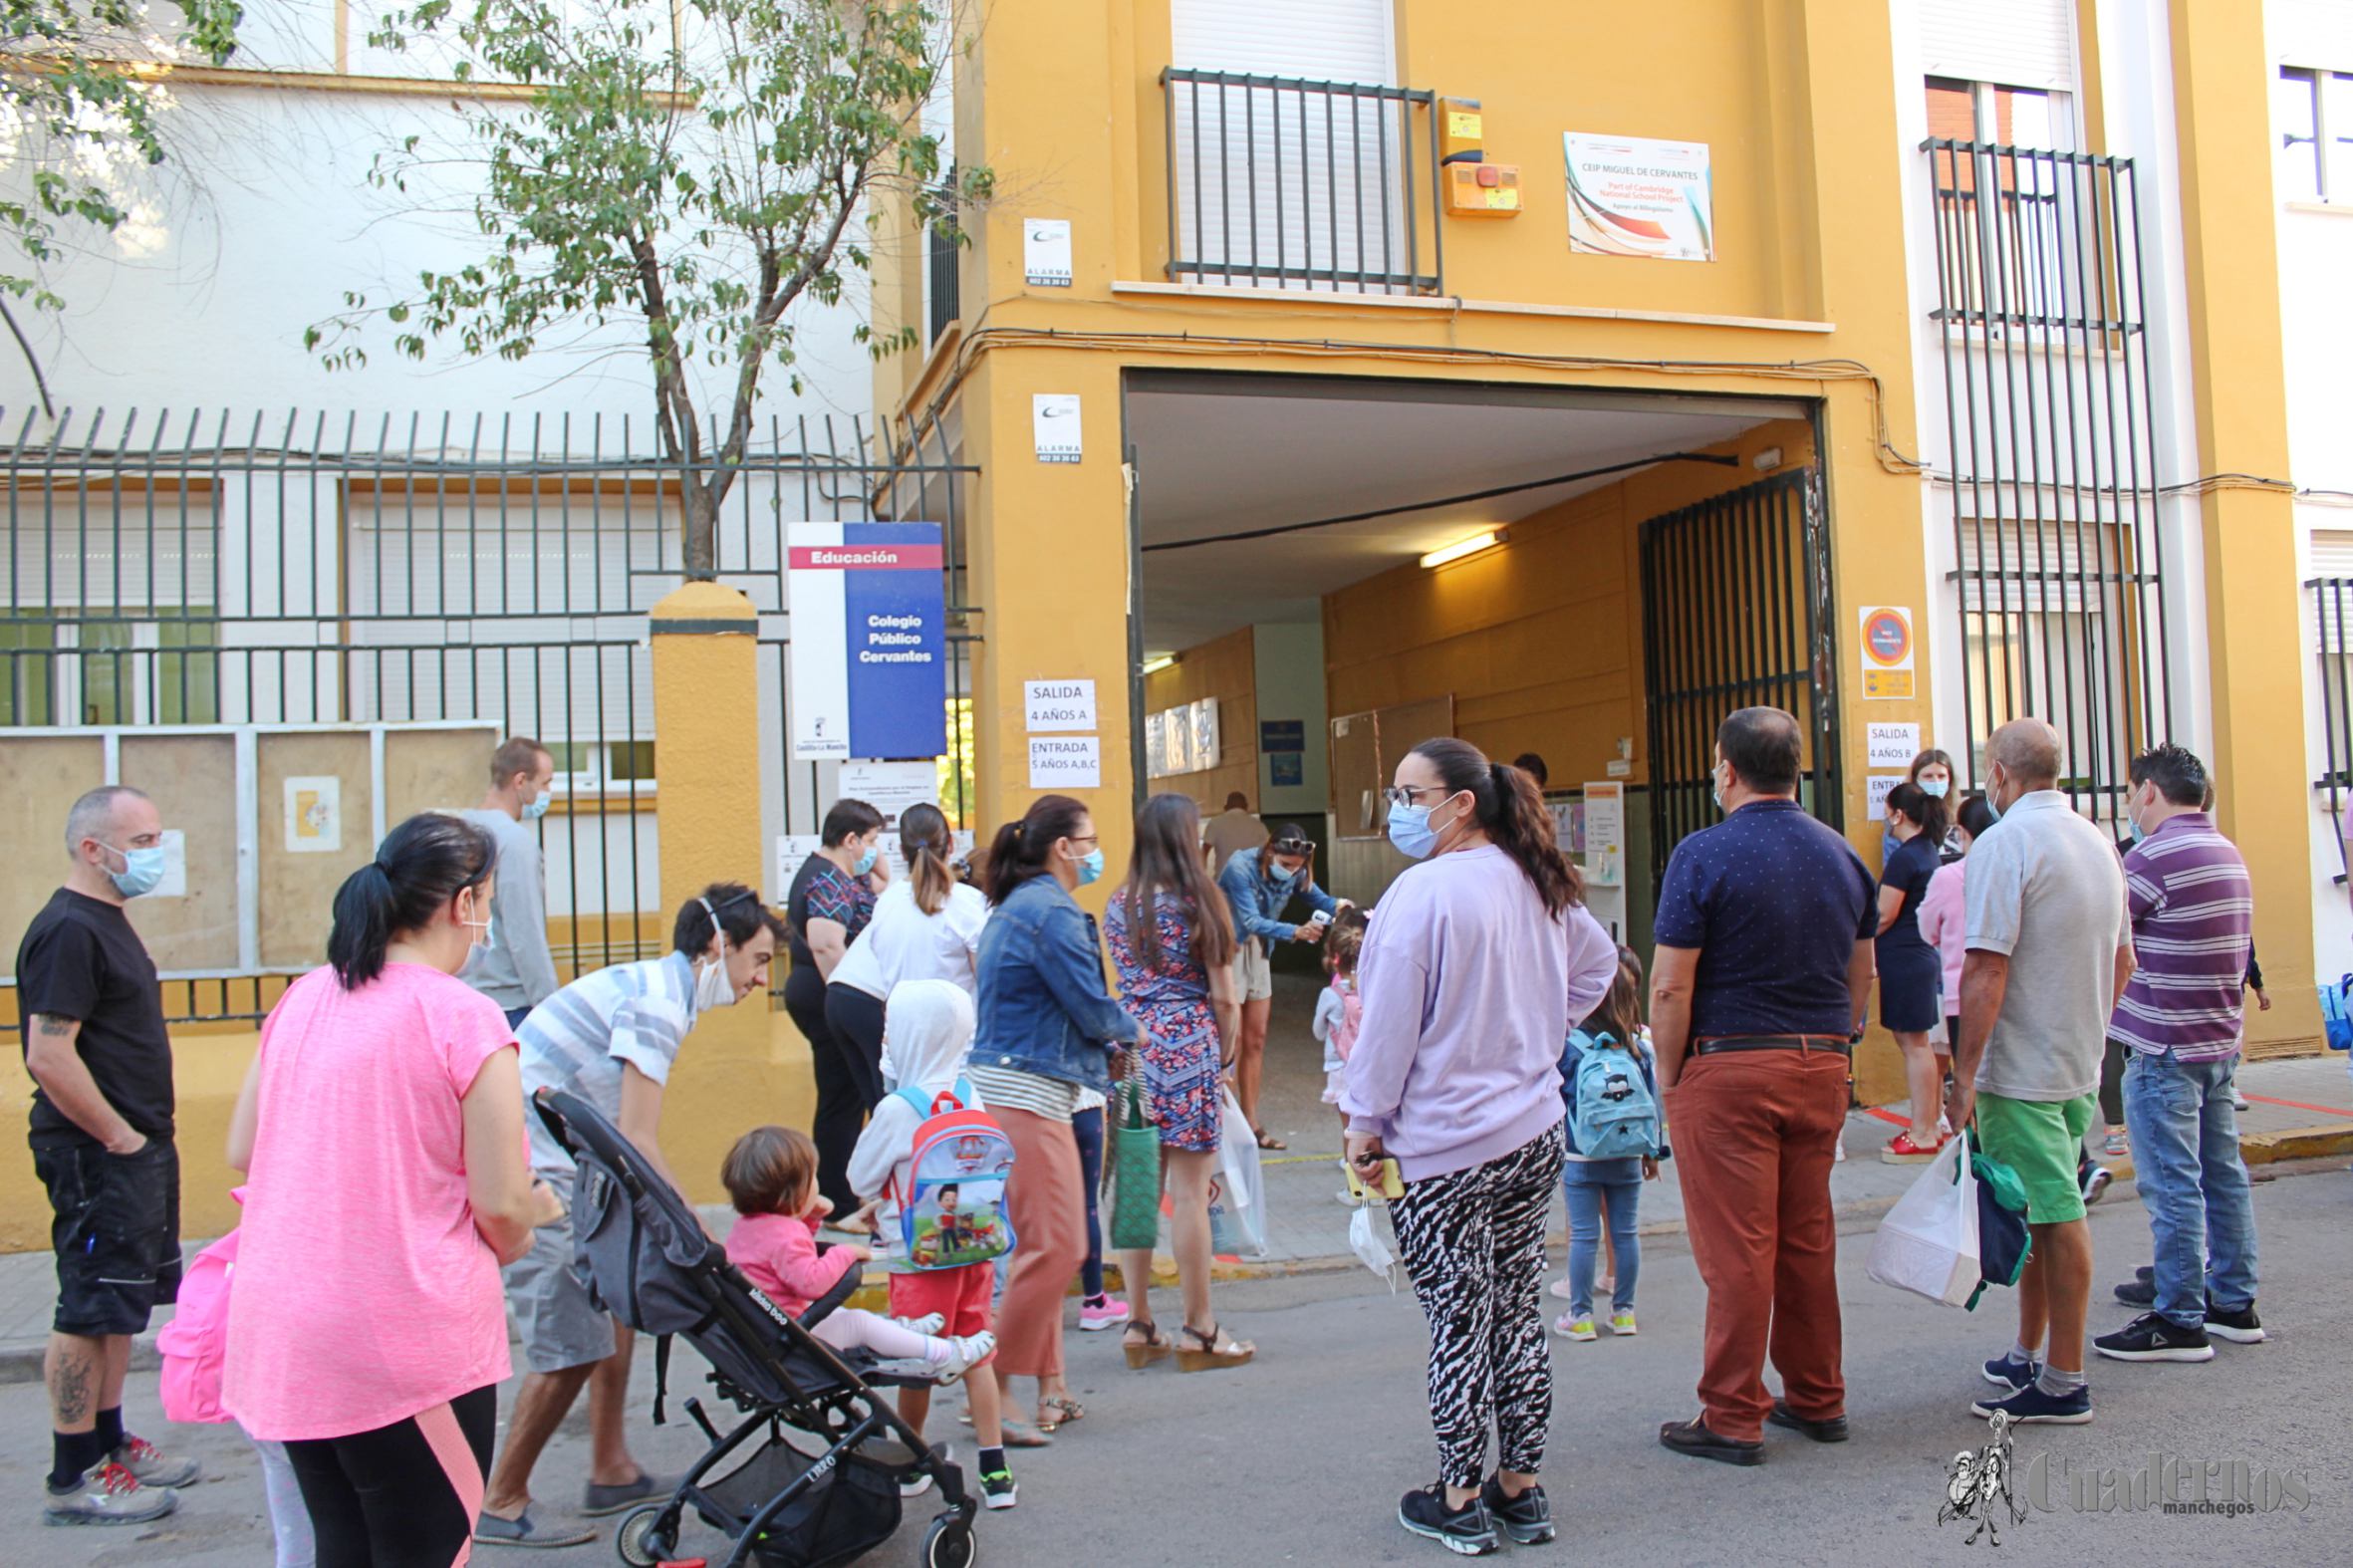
(55, 1027)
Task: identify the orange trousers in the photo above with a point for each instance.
(1047, 1197)
(1754, 1134)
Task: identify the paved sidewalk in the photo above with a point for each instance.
(2300, 1109)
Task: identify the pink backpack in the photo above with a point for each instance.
(194, 1344)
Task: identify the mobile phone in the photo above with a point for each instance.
(1388, 1186)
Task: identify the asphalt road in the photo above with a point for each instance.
(1300, 1457)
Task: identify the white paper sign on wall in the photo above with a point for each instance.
(314, 815)
(1057, 704)
(1065, 762)
(1890, 745)
(791, 849)
(1045, 253)
(1054, 427)
(891, 787)
(1881, 784)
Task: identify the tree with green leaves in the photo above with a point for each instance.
(84, 104)
(692, 170)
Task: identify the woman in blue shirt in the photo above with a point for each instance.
(1260, 884)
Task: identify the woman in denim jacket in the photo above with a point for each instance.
(1048, 1029)
(1260, 884)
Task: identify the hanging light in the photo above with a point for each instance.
(1463, 546)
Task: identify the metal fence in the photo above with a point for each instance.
(1738, 612)
(1279, 182)
(2048, 403)
(307, 569)
(2332, 616)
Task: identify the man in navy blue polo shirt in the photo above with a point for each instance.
(1763, 967)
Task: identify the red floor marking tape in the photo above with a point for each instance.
(1884, 1114)
(2298, 1105)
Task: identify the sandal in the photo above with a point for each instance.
(1216, 1349)
(1017, 1432)
(1071, 1410)
(1154, 1344)
(1267, 1141)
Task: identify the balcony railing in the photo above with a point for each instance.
(1276, 182)
(942, 257)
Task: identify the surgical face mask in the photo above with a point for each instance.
(538, 807)
(476, 925)
(713, 987)
(865, 862)
(1934, 789)
(1410, 831)
(1992, 805)
(1716, 790)
(1091, 868)
(141, 873)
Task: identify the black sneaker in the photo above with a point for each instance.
(2149, 1337)
(2140, 1293)
(1526, 1518)
(1467, 1532)
(2240, 1327)
(997, 1490)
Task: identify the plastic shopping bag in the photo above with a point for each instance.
(1237, 1204)
(1928, 1244)
(1364, 1241)
(2336, 1012)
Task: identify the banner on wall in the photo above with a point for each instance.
(868, 641)
(1639, 196)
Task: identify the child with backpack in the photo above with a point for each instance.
(771, 1174)
(935, 1161)
(1338, 1011)
(1617, 1135)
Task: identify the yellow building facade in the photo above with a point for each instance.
(1960, 322)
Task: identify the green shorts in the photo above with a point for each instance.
(2041, 1139)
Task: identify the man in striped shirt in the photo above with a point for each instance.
(2181, 1016)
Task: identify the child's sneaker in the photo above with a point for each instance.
(1563, 1290)
(1571, 1326)
(2115, 1143)
(1622, 1323)
(997, 1490)
(920, 1482)
(928, 1324)
(967, 1352)
(1098, 1313)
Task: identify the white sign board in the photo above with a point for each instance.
(1890, 745)
(314, 815)
(1045, 253)
(891, 787)
(1057, 704)
(1638, 196)
(1054, 427)
(1885, 651)
(1880, 785)
(1605, 834)
(791, 849)
(1062, 762)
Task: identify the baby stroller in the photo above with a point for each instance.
(648, 1262)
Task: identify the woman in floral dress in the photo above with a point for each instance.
(1172, 942)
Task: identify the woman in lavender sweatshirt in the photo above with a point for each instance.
(1475, 967)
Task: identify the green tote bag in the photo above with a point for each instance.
(1136, 1170)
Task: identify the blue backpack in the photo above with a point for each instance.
(1612, 1113)
(2336, 1012)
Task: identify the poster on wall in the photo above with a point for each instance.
(892, 787)
(1059, 762)
(314, 815)
(1207, 752)
(1045, 253)
(1605, 834)
(1057, 704)
(1890, 745)
(1881, 785)
(1887, 653)
(1286, 769)
(1054, 427)
(868, 641)
(1639, 196)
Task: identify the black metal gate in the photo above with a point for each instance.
(1736, 613)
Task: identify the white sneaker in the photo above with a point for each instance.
(1838, 1151)
(2239, 1101)
(106, 1493)
(921, 1481)
(1561, 1290)
(969, 1351)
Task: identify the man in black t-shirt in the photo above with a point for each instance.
(102, 1125)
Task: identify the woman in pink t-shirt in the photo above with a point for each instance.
(381, 1128)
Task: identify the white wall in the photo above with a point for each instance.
(1289, 663)
(2316, 314)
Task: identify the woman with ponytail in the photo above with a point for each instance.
(1048, 1031)
(925, 926)
(382, 1128)
(1477, 962)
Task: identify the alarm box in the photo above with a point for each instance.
(1483, 190)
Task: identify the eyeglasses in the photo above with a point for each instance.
(1087, 838)
(1403, 794)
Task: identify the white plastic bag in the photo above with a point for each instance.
(1928, 1244)
(1364, 1241)
(1237, 1204)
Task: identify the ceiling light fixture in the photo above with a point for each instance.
(1463, 546)
(1153, 666)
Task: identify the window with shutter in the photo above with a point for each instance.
(2016, 42)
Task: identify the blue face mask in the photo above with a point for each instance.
(141, 873)
(1410, 831)
(1091, 869)
(1990, 804)
(1934, 789)
(865, 862)
(2139, 832)
(537, 808)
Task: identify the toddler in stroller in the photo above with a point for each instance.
(824, 1499)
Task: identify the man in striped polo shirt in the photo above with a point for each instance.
(2181, 1016)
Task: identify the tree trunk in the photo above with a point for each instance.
(701, 525)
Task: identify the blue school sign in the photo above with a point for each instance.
(868, 641)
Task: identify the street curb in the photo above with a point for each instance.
(22, 1363)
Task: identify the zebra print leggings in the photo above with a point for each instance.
(1473, 1241)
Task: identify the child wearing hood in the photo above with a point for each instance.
(926, 1036)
